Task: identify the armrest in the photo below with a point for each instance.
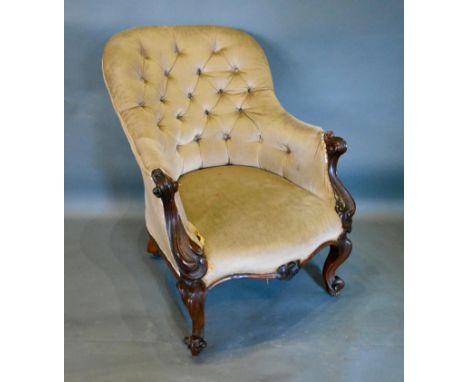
(304, 162)
(187, 254)
(313, 165)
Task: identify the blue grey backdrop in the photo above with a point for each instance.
(335, 63)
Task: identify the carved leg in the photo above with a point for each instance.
(193, 295)
(152, 247)
(339, 252)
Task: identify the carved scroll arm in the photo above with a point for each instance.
(345, 205)
(187, 254)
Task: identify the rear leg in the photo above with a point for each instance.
(152, 246)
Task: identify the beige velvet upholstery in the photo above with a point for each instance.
(193, 97)
(254, 221)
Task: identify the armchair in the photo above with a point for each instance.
(234, 185)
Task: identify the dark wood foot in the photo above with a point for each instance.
(152, 247)
(193, 295)
(339, 252)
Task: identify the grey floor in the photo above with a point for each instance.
(124, 320)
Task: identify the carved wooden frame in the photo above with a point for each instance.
(189, 257)
(192, 263)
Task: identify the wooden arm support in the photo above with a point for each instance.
(188, 254)
(345, 205)
(345, 208)
(189, 257)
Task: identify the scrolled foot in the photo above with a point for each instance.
(289, 270)
(336, 286)
(339, 252)
(195, 344)
(193, 293)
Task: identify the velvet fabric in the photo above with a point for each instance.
(194, 97)
(254, 221)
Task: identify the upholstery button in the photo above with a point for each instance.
(287, 149)
(249, 90)
(239, 109)
(207, 112)
(199, 71)
(179, 116)
(197, 138)
(260, 139)
(189, 95)
(166, 72)
(220, 91)
(226, 137)
(162, 99)
(141, 103)
(215, 49)
(235, 69)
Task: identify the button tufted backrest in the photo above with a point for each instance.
(198, 96)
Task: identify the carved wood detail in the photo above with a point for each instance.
(188, 255)
(193, 295)
(339, 252)
(345, 208)
(289, 270)
(345, 205)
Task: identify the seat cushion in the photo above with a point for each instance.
(254, 221)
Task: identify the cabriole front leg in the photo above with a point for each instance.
(345, 207)
(193, 295)
(339, 252)
(189, 257)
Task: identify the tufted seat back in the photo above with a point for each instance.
(199, 96)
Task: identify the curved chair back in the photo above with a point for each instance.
(197, 96)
